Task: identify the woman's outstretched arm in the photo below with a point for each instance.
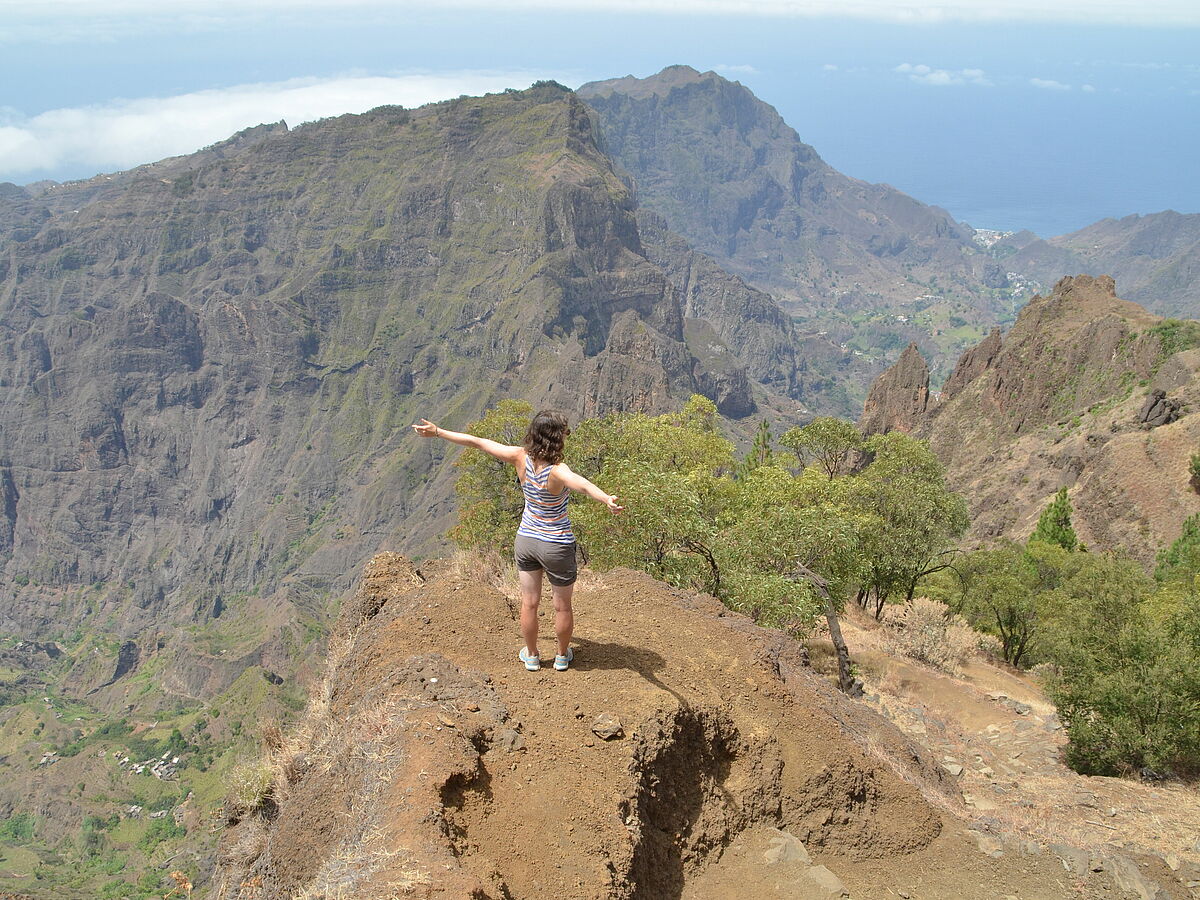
(492, 448)
(576, 482)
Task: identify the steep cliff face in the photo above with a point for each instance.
(865, 268)
(748, 321)
(735, 180)
(1087, 391)
(899, 397)
(208, 365)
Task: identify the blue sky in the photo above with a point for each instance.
(1009, 115)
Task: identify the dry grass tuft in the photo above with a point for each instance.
(925, 630)
(272, 736)
(250, 786)
(486, 567)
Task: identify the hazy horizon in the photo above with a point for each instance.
(1005, 118)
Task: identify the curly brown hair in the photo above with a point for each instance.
(545, 437)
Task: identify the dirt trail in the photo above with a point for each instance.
(440, 767)
(996, 732)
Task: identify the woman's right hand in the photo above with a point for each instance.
(426, 429)
(612, 504)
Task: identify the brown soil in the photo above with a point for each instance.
(435, 765)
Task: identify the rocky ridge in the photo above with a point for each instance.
(1086, 391)
(1155, 258)
(433, 764)
(863, 266)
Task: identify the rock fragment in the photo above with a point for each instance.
(786, 848)
(608, 727)
(508, 740)
(826, 883)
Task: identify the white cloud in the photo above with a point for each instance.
(736, 70)
(1049, 84)
(1088, 89)
(20, 16)
(124, 133)
(923, 74)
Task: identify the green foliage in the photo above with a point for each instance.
(995, 590)
(689, 521)
(759, 453)
(672, 475)
(1180, 563)
(1128, 682)
(1125, 658)
(1176, 335)
(490, 498)
(1054, 525)
(17, 828)
(160, 830)
(776, 521)
(1194, 467)
(826, 442)
(916, 517)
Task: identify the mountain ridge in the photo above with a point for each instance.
(1087, 391)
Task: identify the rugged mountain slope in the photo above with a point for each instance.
(1087, 391)
(1155, 258)
(209, 365)
(432, 765)
(854, 260)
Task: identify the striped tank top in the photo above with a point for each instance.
(545, 515)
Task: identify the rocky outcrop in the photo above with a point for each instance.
(416, 769)
(1159, 409)
(972, 364)
(899, 398)
(1065, 400)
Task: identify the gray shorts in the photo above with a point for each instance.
(558, 560)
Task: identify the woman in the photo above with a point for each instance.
(545, 541)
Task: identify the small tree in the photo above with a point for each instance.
(671, 472)
(917, 518)
(1128, 681)
(1180, 563)
(1054, 525)
(759, 453)
(1194, 471)
(826, 442)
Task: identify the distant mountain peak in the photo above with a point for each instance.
(661, 83)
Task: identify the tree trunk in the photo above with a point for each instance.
(845, 681)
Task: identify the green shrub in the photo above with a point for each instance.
(1129, 702)
(160, 830)
(17, 828)
(1176, 335)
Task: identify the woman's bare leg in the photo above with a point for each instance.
(564, 616)
(531, 595)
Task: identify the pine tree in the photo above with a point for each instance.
(1181, 561)
(1054, 526)
(760, 451)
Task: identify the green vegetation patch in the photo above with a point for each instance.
(1175, 336)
